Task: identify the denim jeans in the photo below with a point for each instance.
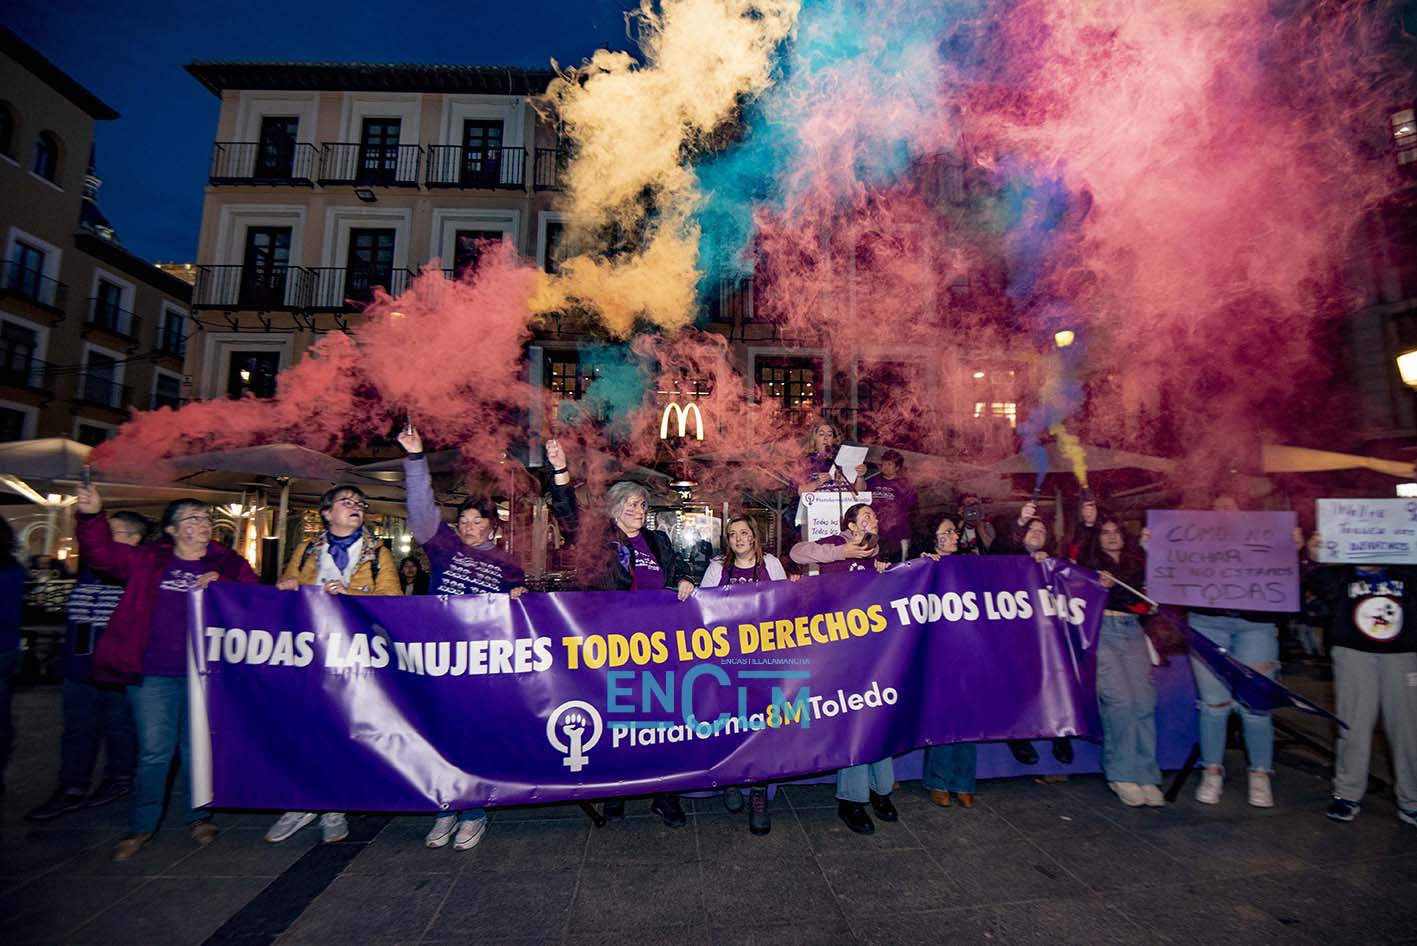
(472, 814)
(94, 715)
(160, 713)
(1251, 643)
(951, 768)
(9, 667)
(856, 782)
(1126, 696)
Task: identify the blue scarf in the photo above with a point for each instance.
(339, 548)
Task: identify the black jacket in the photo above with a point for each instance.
(615, 575)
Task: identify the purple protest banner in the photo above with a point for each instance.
(302, 700)
(1242, 561)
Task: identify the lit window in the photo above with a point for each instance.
(1404, 135)
(1007, 410)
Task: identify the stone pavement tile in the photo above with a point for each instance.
(714, 804)
(240, 852)
(399, 849)
(1017, 870)
(44, 913)
(726, 837)
(1314, 838)
(1382, 871)
(637, 898)
(539, 813)
(1324, 905)
(815, 795)
(1210, 915)
(814, 932)
(169, 911)
(357, 909)
(885, 882)
(641, 841)
(527, 845)
(953, 828)
(1221, 849)
(785, 889)
(1073, 921)
(1044, 808)
(649, 936)
(497, 906)
(25, 855)
(829, 835)
(166, 848)
(1111, 860)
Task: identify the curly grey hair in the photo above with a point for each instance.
(621, 493)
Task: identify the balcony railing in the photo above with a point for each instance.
(104, 315)
(336, 289)
(19, 370)
(550, 163)
(489, 168)
(256, 162)
(251, 287)
(373, 165)
(171, 342)
(33, 286)
(159, 400)
(102, 391)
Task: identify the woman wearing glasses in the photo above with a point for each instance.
(949, 770)
(345, 559)
(144, 646)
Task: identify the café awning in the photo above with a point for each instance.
(1281, 459)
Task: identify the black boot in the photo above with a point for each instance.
(733, 800)
(1063, 750)
(613, 809)
(881, 805)
(667, 807)
(854, 814)
(759, 821)
(63, 801)
(110, 789)
(1023, 751)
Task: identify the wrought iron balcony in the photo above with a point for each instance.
(258, 162)
(101, 391)
(339, 289)
(103, 314)
(159, 400)
(550, 164)
(262, 288)
(373, 165)
(488, 168)
(19, 370)
(33, 286)
(171, 342)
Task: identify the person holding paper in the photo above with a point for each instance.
(1125, 692)
(1373, 646)
(855, 550)
(640, 559)
(745, 562)
(144, 645)
(821, 470)
(1251, 638)
(949, 773)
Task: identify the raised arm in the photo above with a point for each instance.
(96, 546)
(423, 518)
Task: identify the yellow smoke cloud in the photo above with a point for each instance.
(1072, 448)
(632, 128)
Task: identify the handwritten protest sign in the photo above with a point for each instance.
(1245, 561)
(1368, 530)
(820, 512)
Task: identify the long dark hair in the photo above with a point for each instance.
(1131, 557)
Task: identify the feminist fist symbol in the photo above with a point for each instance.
(573, 725)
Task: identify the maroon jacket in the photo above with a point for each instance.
(118, 656)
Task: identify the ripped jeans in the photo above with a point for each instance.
(1250, 643)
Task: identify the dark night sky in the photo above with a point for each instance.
(154, 159)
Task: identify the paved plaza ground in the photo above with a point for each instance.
(1045, 864)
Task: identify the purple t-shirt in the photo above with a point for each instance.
(166, 655)
(461, 570)
(846, 564)
(743, 576)
(894, 502)
(647, 574)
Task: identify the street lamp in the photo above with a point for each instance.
(1063, 338)
(1407, 367)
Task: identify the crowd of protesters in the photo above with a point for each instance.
(125, 672)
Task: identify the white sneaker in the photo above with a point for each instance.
(333, 827)
(1129, 792)
(287, 824)
(469, 833)
(442, 831)
(1261, 793)
(1151, 794)
(1208, 792)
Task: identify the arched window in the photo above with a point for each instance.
(7, 129)
(46, 156)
